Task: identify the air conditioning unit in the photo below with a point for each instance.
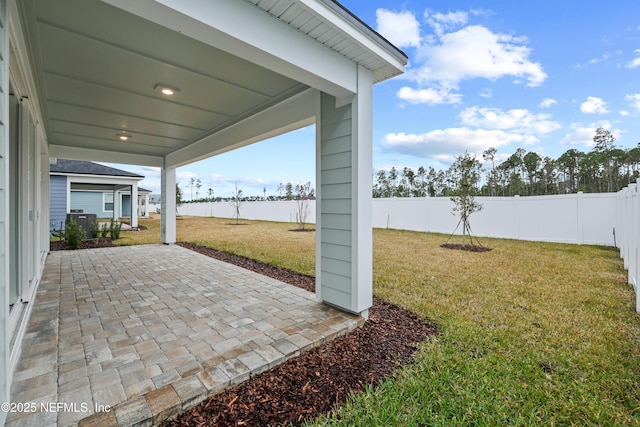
(84, 221)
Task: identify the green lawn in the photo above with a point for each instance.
(531, 333)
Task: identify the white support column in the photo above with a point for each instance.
(344, 248)
(362, 197)
(134, 206)
(116, 204)
(168, 205)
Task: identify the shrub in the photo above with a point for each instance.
(104, 231)
(94, 227)
(73, 234)
(114, 229)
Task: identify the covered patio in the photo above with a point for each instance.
(135, 334)
(165, 83)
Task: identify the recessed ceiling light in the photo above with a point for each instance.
(123, 136)
(166, 90)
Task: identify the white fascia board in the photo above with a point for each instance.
(321, 9)
(102, 179)
(291, 114)
(76, 153)
(244, 30)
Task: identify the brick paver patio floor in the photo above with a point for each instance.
(133, 335)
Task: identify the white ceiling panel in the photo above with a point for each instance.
(96, 96)
(97, 66)
(116, 122)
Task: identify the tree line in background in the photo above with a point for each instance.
(606, 168)
(285, 191)
(301, 193)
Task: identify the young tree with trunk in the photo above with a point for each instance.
(192, 181)
(465, 175)
(198, 187)
(304, 192)
(236, 201)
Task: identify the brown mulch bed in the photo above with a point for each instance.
(314, 382)
(61, 245)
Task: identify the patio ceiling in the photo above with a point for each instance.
(98, 69)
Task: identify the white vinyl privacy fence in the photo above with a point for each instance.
(628, 234)
(572, 218)
(280, 211)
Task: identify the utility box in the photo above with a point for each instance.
(84, 221)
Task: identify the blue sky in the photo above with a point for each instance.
(541, 75)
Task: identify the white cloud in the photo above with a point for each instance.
(516, 120)
(439, 144)
(583, 135)
(429, 96)
(548, 102)
(147, 171)
(635, 63)
(486, 93)
(604, 57)
(580, 136)
(476, 52)
(456, 51)
(634, 101)
(445, 21)
(624, 113)
(185, 175)
(402, 29)
(594, 105)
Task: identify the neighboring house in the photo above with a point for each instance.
(86, 187)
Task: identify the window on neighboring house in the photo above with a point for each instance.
(107, 201)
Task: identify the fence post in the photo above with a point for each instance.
(636, 240)
(622, 224)
(630, 233)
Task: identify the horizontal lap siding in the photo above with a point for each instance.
(89, 202)
(341, 252)
(336, 221)
(57, 201)
(336, 203)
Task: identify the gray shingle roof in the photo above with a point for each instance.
(88, 168)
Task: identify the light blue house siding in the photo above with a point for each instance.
(335, 209)
(89, 202)
(57, 201)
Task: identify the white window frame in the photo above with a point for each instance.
(104, 202)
